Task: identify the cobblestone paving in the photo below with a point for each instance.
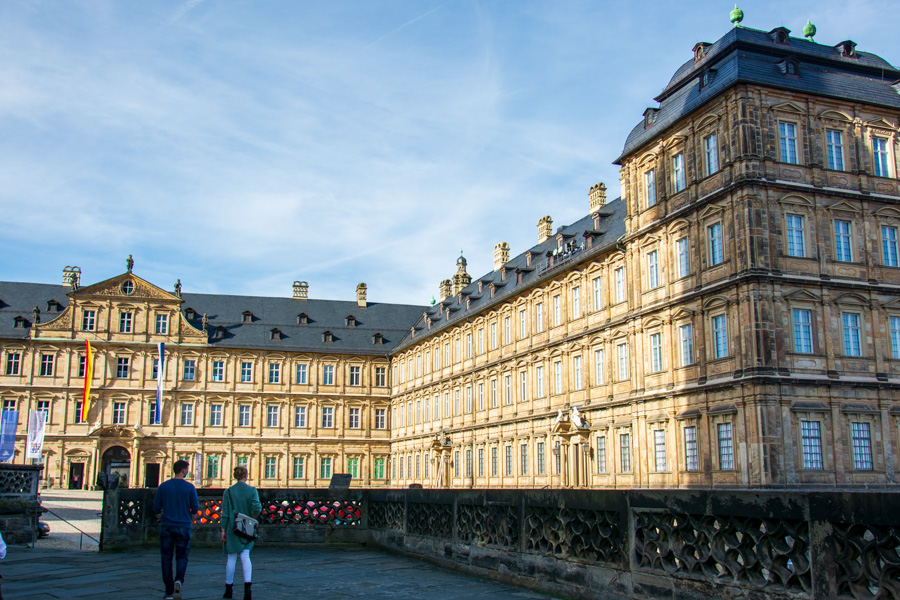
(82, 511)
(332, 572)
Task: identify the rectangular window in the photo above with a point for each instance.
(447, 354)
(493, 336)
(523, 386)
(13, 362)
(244, 412)
(599, 367)
(481, 462)
(246, 372)
(79, 405)
(895, 336)
(720, 336)
(576, 302)
(862, 446)
(162, 324)
(272, 416)
(508, 460)
(218, 370)
(852, 345)
(652, 270)
(711, 154)
(494, 462)
(507, 330)
(270, 467)
(380, 418)
(242, 461)
(378, 471)
(686, 339)
(557, 377)
(557, 311)
(47, 361)
(88, 320)
(82, 365)
(468, 463)
(843, 249)
(596, 285)
(726, 447)
(691, 462)
(787, 137)
(300, 416)
(620, 284)
(659, 444)
(456, 348)
(354, 418)
(802, 331)
(327, 417)
(187, 414)
(811, 437)
(355, 376)
(380, 377)
(683, 257)
(325, 467)
(539, 317)
(125, 322)
(215, 415)
(328, 375)
(481, 396)
(650, 187)
(469, 347)
(576, 367)
(622, 361)
(716, 252)
(889, 246)
(625, 452)
(835, 142)
(795, 235)
(539, 381)
(507, 386)
(523, 459)
(493, 393)
(44, 407)
(656, 353)
(274, 372)
(678, 180)
(118, 413)
(298, 468)
(212, 467)
(122, 367)
(881, 157)
(601, 454)
(189, 370)
(539, 466)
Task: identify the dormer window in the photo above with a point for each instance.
(350, 321)
(503, 274)
(781, 35)
(275, 334)
(53, 306)
(596, 218)
(302, 319)
(220, 332)
(519, 275)
(190, 314)
(480, 286)
(247, 316)
(19, 322)
(847, 48)
(707, 76)
(790, 66)
(492, 290)
(327, 337)
(378, 339)
(700, 50)
(528, 258)
(650, 117)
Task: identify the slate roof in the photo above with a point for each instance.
(611, 230)
(392, 321)
(752, 56)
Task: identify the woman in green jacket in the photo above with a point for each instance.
(239, 498)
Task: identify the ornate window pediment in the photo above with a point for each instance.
(716, 301)
(788, 108)
(802, 295)
(851, 298)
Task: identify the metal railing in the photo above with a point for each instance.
(76, 528)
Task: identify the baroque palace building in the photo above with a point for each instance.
(733, 320)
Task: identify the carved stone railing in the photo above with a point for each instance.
(19, 509)
(593, 544)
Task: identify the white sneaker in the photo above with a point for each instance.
(177, 594)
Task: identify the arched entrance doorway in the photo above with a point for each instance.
(117, 459)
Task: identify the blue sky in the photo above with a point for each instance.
(241, 145)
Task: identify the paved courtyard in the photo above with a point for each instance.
(56, 568)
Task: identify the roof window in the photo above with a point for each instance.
(302, 319)
(378, 339)
(19, 322)
(847, 48)
(275, 334)
(327, 337)
(781, 35)
(790, 66)
(248, 316)
(650, 117)
(700, 50)
(220, 332)
(53, 306)
(350, 321)
(190, 314)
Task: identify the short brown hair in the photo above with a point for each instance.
(241, 472)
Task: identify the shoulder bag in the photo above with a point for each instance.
(245, 527)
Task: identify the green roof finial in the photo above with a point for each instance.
(737, 15)
(809, 30)
(433, 301)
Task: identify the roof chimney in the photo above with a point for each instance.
(72, 277)
(301, 290)
(361, 295)
(501, 255)
(597, 196)
(445, 289)
(545, 229)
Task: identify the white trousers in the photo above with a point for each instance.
(246, 567)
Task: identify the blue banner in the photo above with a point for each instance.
(9, 421)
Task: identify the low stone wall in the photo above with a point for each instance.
(611, 545)
(288, 517)
(19, 509)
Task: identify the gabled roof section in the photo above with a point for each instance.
(117, 287)
(547, 260)
(746, 55)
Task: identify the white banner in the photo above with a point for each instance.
(37, 419)
(198, 469)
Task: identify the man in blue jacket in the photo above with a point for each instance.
(175, 505)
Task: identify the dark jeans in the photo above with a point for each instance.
(177, 540)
